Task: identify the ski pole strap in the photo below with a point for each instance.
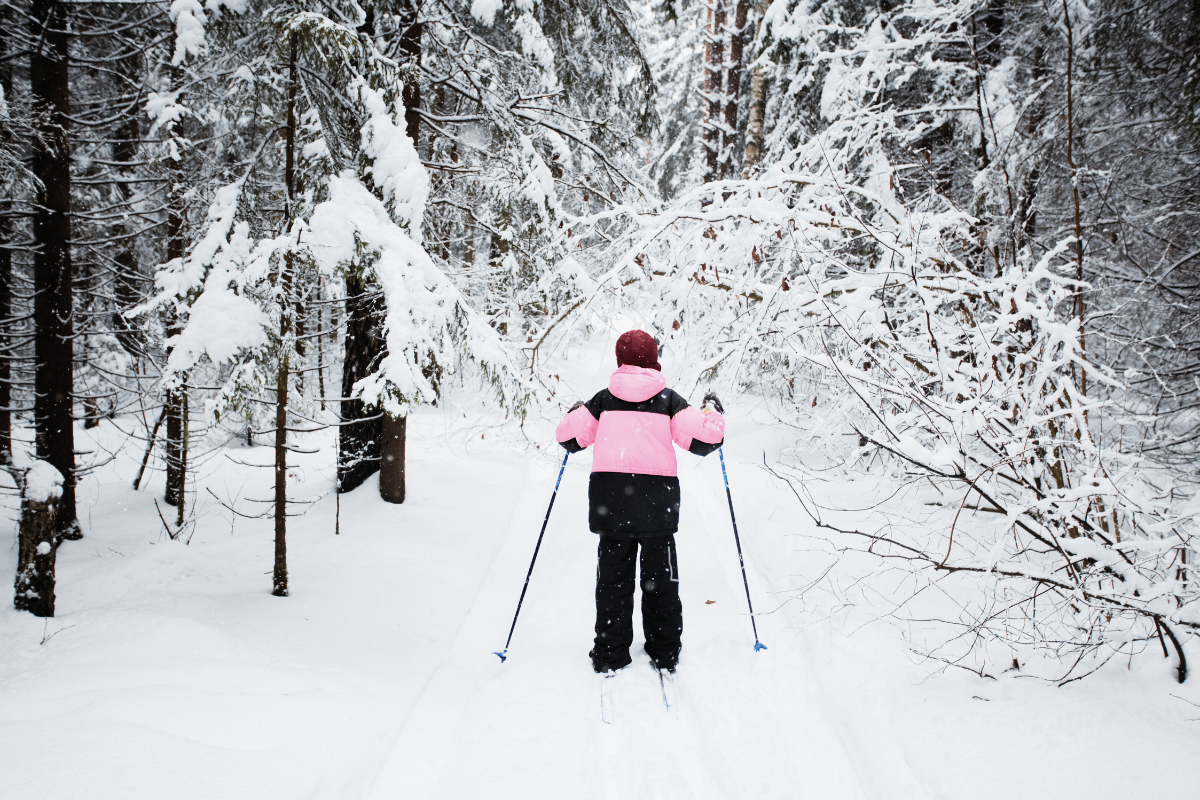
(503, 654)
(741, 560)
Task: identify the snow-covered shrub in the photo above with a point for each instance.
(846, 275)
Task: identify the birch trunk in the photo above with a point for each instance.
(757, 112)
(714, 59)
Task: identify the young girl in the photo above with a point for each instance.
(634, 497)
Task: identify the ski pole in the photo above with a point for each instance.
(503, 654)
(757, 644)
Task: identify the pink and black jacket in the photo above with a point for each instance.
(634, 489)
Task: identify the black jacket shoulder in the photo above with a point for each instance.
(595, 406)
(668, 402)
(677, 403)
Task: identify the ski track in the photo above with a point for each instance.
(531, 727)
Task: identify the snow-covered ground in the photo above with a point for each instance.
(171, 672)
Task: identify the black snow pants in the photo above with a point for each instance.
(662, 613)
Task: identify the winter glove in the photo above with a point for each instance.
(578, 404)
(711, 399)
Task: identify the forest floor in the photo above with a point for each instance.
(171, 672)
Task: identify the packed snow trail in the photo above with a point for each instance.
(531, 727)
(748, 724)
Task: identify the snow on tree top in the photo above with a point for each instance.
(43, 482)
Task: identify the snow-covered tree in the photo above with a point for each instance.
(237, 293)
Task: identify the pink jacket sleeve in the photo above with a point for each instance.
(692, 423)
(579, 425)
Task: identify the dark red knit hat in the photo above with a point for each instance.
(638, 349)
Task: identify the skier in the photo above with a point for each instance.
(634, 497)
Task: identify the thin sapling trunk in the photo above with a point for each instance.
(286, 306)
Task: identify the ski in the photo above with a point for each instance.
(606, 697)
(666, 681)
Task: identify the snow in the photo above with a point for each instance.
(485, 10)
(42, 482)
(178, 277)
(170, 671)
(221, 325)
(189, 18)
(164, 108)
(395, 165)
(535, 46)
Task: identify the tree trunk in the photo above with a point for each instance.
(1074, 168)
(714, 57)
(359, 434)
(394, 429)
(52, 307)
(91, 410)
(6, 341)
(320, 339)
(757, 113)
(137, 479)
(37, 548)
(183, 460)
(6, 273)
(410, 44)
(733, 87)
(279, 581)
(127, 288)
(173, 444)
(286, 309)
(34, 590)
(301, 348)
(470, 234)
(391, 464)
(361, 431)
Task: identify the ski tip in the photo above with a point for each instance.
(759, 646)
(501, 656)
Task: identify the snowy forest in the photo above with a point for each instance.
(293, 293)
